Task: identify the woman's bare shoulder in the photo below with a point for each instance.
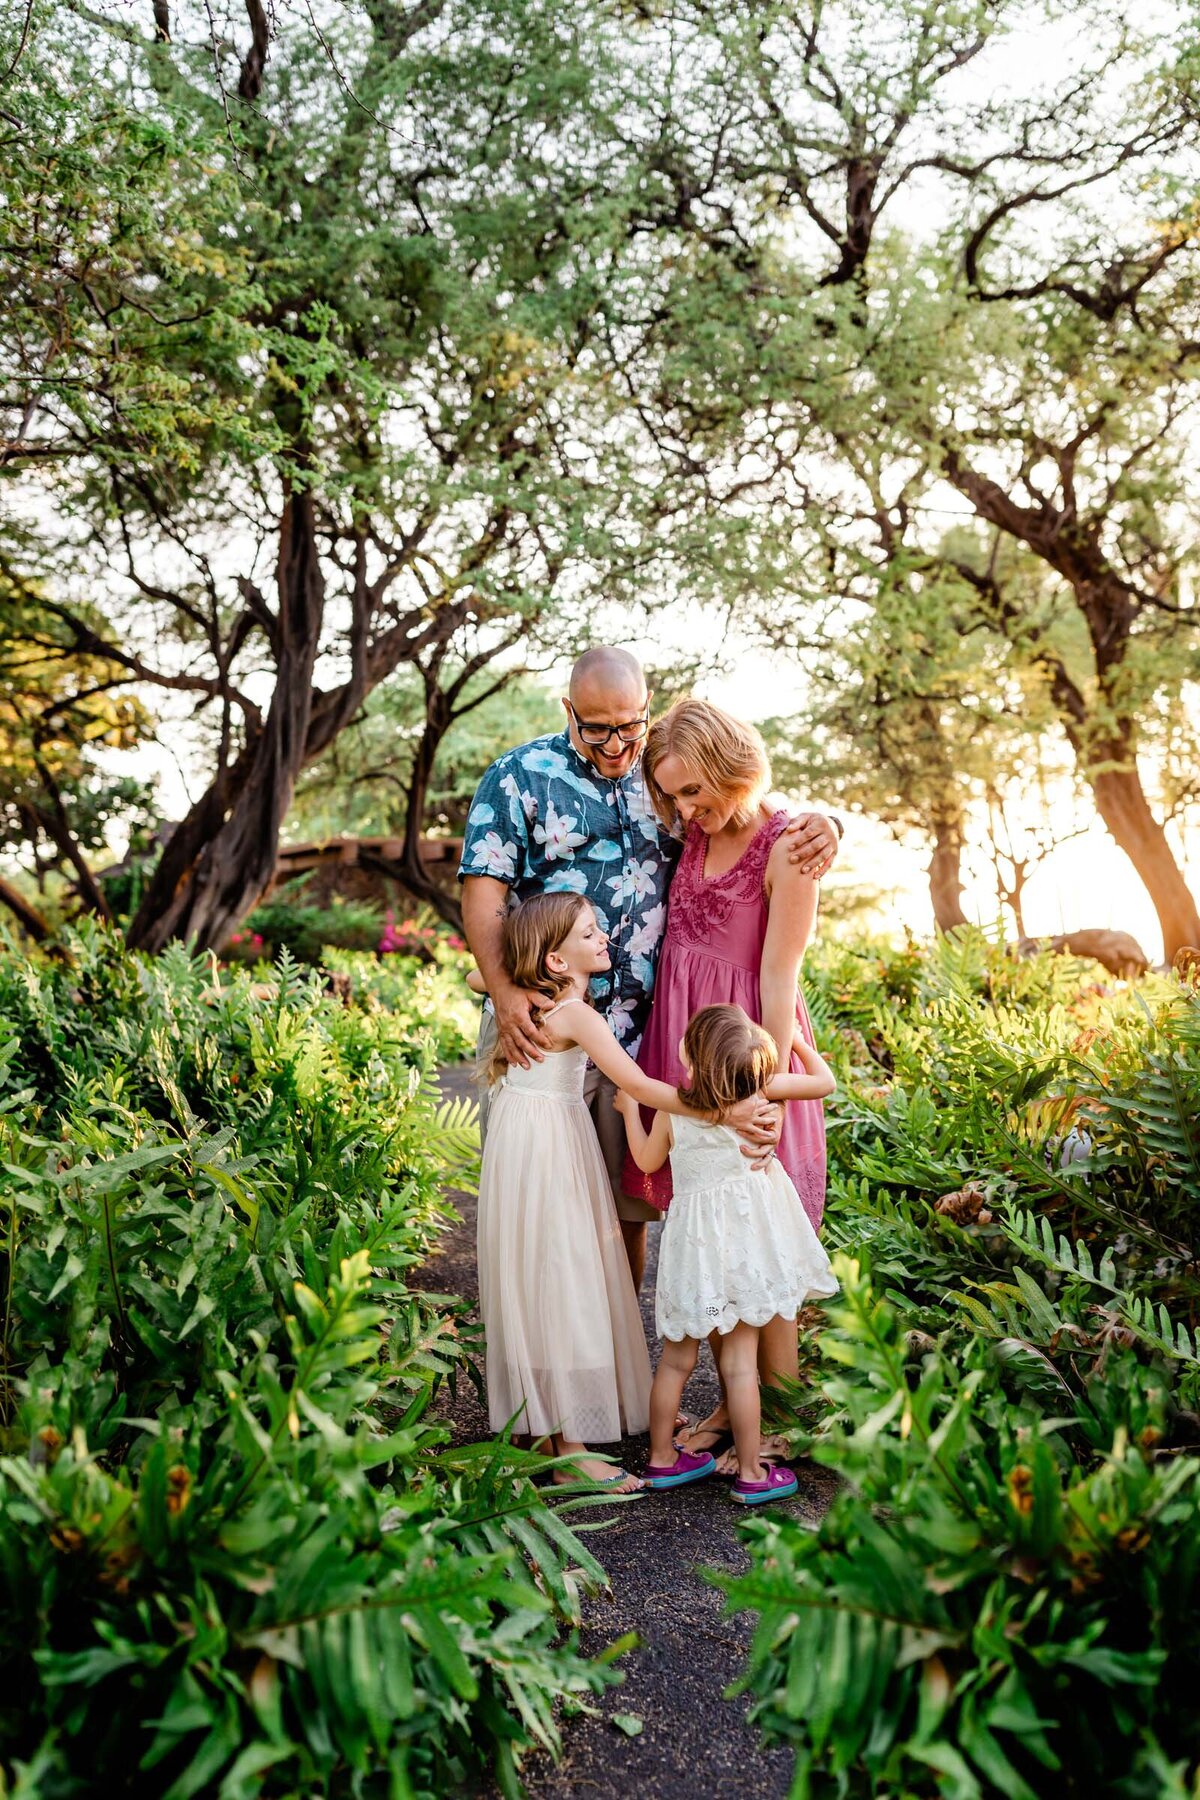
(782, 874)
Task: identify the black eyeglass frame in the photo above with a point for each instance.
(583, 725)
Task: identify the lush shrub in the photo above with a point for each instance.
(237, 1555)
(1002, 1597)
(289, 920)
(429, 989)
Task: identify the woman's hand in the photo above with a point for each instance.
(759, 1124)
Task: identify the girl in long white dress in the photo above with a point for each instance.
(737, 1249)
(565, 1350)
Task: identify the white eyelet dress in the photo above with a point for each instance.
(565, 1343)
(737, 1246)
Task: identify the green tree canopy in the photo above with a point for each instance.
(908, 280)
(316, 400)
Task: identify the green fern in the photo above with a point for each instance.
(455, 1143)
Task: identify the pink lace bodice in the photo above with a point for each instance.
(711, 955)
(725, 914)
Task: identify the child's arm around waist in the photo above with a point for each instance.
(649, 1149)
(816, 1083)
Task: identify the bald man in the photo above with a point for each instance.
(569, 811)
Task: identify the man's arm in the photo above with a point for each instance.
(484, 905)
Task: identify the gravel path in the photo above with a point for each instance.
(693, 1742)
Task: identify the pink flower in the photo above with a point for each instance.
(456, 943)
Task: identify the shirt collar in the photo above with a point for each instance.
(591, 769)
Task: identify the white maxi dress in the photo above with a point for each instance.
(565, 1348)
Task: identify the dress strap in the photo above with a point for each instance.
(754, 862)
(571, 1000)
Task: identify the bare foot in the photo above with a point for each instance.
(706, 1434)
(594, 1468)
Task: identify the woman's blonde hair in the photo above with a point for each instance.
(532, 932)
(722, 752)
(730, 1058)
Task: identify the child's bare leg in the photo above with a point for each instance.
(674, 1370)
(739, 1365)
(708, 1431)
(778, 1361)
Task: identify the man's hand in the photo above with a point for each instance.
(758, 1123)
(813, 843)
(522, 1040)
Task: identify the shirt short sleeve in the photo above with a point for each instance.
(496, 840)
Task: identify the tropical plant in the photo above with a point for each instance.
(1008, 1385)
(239, 1553)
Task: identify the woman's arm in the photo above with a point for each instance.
(587, 1029)
(792, 903)
(649, 1149)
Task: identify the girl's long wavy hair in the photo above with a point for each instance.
(730, 1058)
(532, 932)
(727, 755)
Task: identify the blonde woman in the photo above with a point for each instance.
(739, 921)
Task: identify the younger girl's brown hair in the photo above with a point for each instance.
(532, 932)
(730, 1058)
(727, 755)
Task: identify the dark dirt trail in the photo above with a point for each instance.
(693, 1742)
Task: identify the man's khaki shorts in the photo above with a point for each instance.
(598, 1091)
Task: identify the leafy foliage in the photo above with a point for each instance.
(1001, 1598)
(238, 1554)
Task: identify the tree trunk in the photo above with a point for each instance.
(438, 718)
(1122, 804)
(945, 878)
(1109, 607)
(221, 858)
(29, 916)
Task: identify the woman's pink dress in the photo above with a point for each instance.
(711, 956)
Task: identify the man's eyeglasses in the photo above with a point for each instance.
(596, 736)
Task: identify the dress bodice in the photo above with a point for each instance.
(723, 915)
(558, 1077)
(703, 1156)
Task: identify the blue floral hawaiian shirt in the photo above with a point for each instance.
(543, 820)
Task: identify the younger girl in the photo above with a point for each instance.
(565, 1349)
(737, 1249)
